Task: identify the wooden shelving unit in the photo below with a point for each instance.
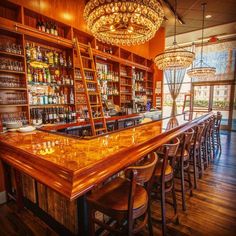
(22, 24)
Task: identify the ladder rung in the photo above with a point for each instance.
(93, 93)
(101, 129)
(96, 106)
(88, 58)
(91, 81)
(89, 69)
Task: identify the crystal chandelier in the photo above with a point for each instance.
(174, 57)
(202, 70)
(125, 22)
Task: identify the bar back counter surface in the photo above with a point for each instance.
(51, 173)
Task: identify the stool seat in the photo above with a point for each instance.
(185, 155)
(114, 197)
(168, 171)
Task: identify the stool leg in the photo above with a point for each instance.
(163, 209)
(150, 218)
(91, 214)
(190, 182)
(182, 185)
(174, 202)
(194, 168)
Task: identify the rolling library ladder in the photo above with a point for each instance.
(187, 99)
(91, 88)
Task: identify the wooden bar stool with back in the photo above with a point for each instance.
(164, 178)
(125, 201)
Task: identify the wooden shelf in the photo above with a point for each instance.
(13, 72)
(10, 88)
(127, 85)
(50, 105)
(11, 54)
(126, 76)
(13, 105)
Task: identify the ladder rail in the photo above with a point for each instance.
(97, 88)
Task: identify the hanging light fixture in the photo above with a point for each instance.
(201, 69)
(174, 57)
(125, 22)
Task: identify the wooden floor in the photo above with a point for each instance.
(211, 210)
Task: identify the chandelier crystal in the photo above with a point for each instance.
(125, 22)
(174, 57)
(202, 71)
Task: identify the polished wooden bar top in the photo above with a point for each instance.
(74, 166)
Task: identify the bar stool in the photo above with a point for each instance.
(182, 158)
(195, 153)
(125, 200)
(164, 178)
(217, 140)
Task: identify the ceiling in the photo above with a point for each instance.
(190, 12)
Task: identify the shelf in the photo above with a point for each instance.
(126, 76)
(13, 72)
(50, 105)
(13, 105)
(127, 85)
(12, 88)
(11, 54)
(49, 84)
(140, 91)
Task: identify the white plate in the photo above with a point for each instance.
(26, 129)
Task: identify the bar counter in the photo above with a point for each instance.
(72, 167)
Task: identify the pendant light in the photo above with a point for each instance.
(125, 22)
(174, 57)
(201, 69)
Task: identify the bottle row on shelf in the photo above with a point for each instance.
(138, 76)
(50, 57)
(47, 27)
(45, 95)
(13, 98)
(11, 82)
(104, 73)
(48, 76)
(52, 115)
(11, 65)
(88, 75)
(11, 48)
(20, 116)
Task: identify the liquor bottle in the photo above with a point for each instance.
(55, 30)
(72, 100)
(50, 58)
(47, 28)
(38, 25)
(69, 62)
(65, 62)
(45, 57)
(43, 28)
(33, 53)
(39, 54)
(40, 78)
(29, 75)
(61, 60)
(27, 52)
(51, 28)
(55, 58)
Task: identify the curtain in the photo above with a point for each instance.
(174, 80)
